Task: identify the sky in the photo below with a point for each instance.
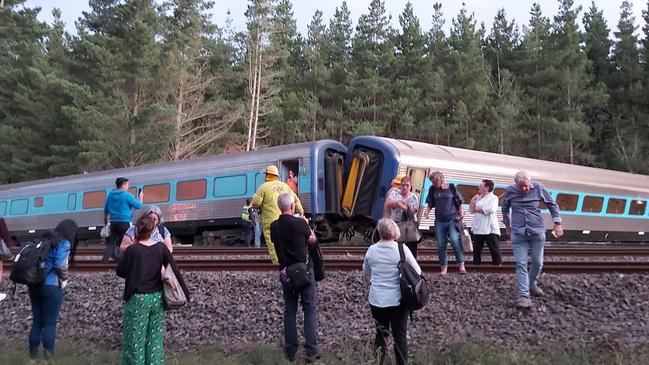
(484, 10)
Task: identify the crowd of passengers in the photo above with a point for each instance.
(144, 252)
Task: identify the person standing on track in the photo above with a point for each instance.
(485, 225)
(118, 210)
(527, 230)
(265, 199)
(401, 205)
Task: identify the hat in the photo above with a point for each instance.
(271, 170)
(397, 180)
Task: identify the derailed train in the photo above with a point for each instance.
(342, 189)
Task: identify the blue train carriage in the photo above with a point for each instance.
(595, 204)
(194, 195)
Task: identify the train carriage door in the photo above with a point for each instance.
(362, 185)
(333, 181)
(289, 171)
(359, 163)
(417, 181)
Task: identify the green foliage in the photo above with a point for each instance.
(145, 81)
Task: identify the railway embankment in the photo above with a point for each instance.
(236, 310)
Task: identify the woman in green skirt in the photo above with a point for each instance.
(143, 326)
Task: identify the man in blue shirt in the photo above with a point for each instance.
(118, 211)
(528, 230)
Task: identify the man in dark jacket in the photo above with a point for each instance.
(291, 236)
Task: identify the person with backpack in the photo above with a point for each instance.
(143, 324)
(160, 232)
(47, 297)
(118, 211)
(381, 266)
(447, 202)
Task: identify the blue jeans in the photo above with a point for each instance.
(443, 230)
(257, 228)
(46, 305)
(520, 245)
(308, 298)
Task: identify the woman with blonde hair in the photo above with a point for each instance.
(447, 202)
(160, 232)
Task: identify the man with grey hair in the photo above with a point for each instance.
(527, 231)
(291, 236)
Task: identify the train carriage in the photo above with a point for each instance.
(194, 195)
(595, 204)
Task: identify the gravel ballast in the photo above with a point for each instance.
(235, 310)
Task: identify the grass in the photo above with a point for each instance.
(69, 353)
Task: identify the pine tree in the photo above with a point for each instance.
(627, 95)
(409, 77)
(119, 60)
(502, 43)
(338, 45)
(316, 76)
(199, 114)
(372, 61)
(468, 85)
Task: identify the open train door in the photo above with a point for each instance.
(417, 181)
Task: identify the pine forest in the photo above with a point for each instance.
(145, 81)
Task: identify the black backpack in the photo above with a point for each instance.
(29, 264)
(414, 291)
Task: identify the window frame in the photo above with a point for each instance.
(239, 194)
(38, 202)
(19, 200)
(571, 196)
(608, 202)
(146, 201)
(594, 197)
(634, 202)
(86, 195)
(179, 188)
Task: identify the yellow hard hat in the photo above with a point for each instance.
(397, 180)
(271, 170)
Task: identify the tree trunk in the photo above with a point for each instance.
(258, 92)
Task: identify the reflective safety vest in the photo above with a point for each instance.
(245, 213)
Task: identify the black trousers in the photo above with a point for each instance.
(397, 319)
(413, 248)
(492, 241)
(117, 231)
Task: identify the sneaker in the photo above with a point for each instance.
(462, 269)
(3, 296)
(536, 290)
(523, 302)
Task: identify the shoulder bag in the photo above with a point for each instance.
(173, 294)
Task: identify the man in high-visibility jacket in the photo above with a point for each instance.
(265, 199)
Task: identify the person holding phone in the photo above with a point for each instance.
(118, 210)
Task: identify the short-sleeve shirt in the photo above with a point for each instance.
(155, 236)
(397, 214)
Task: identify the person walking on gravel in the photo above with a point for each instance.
(265, 199)
(118, 211)
(381, 266)
(292, 235)
(527, 231)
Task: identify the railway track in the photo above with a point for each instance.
(600, 251)
(429, 266)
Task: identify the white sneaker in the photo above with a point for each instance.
(3, 296)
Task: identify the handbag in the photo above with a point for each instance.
(172, 293)
(5, 252)
(409, 232)
(465, 236)
(298, 276)
(105, 231)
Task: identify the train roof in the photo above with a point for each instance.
(214, 164)
(488, 164)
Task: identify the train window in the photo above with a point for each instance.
(158, 193)
(72, 201)
(133, 191)
(18, 206)
(567, 202)
(188, 190)
(3, 208)
(616, 206)
(592, 204)
(235, 185)
(638, 207)
(93, 199)
(467, 191)
(500, 193)
(38, 202)
(259, 179)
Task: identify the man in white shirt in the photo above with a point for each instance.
(485, 225)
